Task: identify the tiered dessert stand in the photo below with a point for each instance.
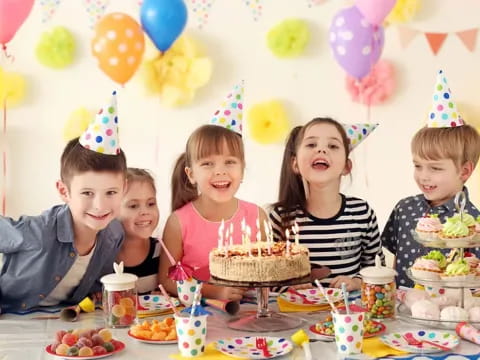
(264, 319)
(404, 313)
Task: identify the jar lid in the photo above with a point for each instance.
(378, 274)
(119, 280)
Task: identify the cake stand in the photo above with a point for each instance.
(263, 319)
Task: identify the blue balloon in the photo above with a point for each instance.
(163, 21)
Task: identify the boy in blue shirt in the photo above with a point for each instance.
(445, 153)
(59, 255)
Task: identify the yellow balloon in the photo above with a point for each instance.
(12, 88)
(77, 123)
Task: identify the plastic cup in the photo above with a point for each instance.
(186, 290)
(348, 332)
(191, 333)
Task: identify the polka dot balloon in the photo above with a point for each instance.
(230, 113)
(444, 112)
(102, 134)
(356, 133)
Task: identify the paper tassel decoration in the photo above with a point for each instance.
(201, 11)
(95, 10)
(268, 122)
(356, 133)
(403, 11)
(77, 123)
(102, 134)
(230, 112)
(444, 112)
(48, 7)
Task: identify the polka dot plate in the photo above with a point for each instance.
(150, 341)
(397, 340)
(120, 348)
(382, 329)
(154, 303)
(314, 296)
(245, 347)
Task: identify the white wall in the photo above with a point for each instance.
(310, 86)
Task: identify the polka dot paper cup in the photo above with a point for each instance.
(186, 290)
(191, 334)
(348, 332)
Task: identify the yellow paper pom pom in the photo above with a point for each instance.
(288, 38)
(12, 88)
(178, 73)
(77, 123)
(56, 48)
(403, 11)
(268, 122)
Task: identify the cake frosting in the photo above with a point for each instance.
(455, 229)
(438, 257)
(430, 223)
(467, 219)
(458, 270)
(426, 269)
(275, 263)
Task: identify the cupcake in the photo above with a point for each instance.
(428, 227)
(477, 225)
(455, 231)
(457, 271)
(425, 309)
(426, 269)
(454, 313)
(438, 257)
(472, 261)
(467, 219)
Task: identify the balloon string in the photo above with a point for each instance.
(7, 55)
(4, 158)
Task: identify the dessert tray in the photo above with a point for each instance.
(471, 282)
(437, 242)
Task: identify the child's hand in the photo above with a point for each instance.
(231, 293)
(302, 286)
(351, 283)
(96, 297)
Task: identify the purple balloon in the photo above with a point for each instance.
(356, 44)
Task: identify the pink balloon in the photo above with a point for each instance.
(375, 10)
(12, 15)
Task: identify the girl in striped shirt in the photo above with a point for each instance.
(340, 231)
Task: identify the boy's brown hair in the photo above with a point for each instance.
(140, 175)
(460, 144)
(205, 141)
(76, 159)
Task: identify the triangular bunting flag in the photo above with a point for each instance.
(469, 38)
(255, 7)
(435, 40)
(406, 35)
(48, 9)
(95, 10)
(201, 11)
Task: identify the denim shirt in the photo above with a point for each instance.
(397, 234)
(38, 251)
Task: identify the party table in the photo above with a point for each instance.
(24, 338)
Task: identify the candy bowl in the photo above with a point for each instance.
(84, 344)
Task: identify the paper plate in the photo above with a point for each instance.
(154, 303)
(149, 341)
(314, 330)
(245, 347)
(121, 347)
(313, 295)
(396, 340)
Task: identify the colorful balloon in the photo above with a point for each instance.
(375, 11)
(163, 21)
(118, 46)
(356, 44)
(12, 15)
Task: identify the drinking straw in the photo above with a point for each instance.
(162, 289)
(169, 255)
(345, 297)
(332, 305)
(195, 300)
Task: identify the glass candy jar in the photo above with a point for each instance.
(119, 297)
(378, 290)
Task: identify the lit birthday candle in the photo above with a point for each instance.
(249, 242)
(269, 238)
(244, 232)
(231, 234)
(297, 233)
(220, 235)
(287, 237)
(259, 243)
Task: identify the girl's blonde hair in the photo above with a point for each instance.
(291, 191)
(140, 175)
(207, 140)
(460, 144)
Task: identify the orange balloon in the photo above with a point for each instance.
(118, 46)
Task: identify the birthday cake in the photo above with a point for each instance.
(260, 262)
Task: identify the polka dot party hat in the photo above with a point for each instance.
(444, 111)
(356, 133)
(102, 133)
(230, 112)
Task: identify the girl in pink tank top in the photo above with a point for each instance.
(204, 183)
